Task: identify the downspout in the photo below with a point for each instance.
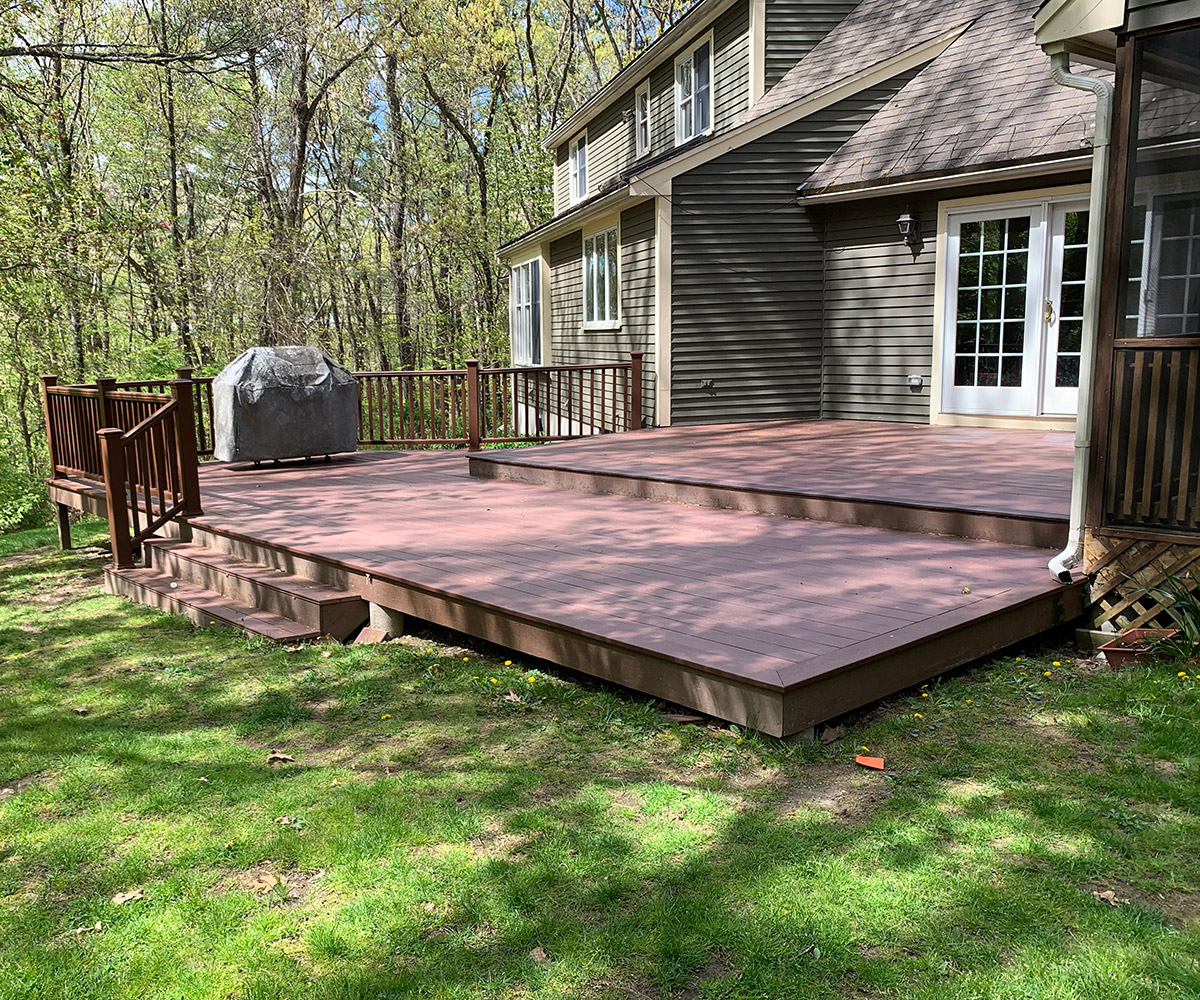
(1071, 556)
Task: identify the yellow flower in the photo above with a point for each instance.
(739, 741)
(918, 715)
(508, 663)
(924, 694)
(864, 749)
(466, 659)
(1056, 664)
(532, 679)
(492, 679)
(385, 716)
(1018, 659)
(968, 701)
(1046, 673)
(1182, 673)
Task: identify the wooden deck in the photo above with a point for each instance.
(1001, 485)
(768, 621)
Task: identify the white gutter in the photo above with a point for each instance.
(1071, 556)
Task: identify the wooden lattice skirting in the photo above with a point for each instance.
(1125, 572)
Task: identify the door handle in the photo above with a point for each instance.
(1048, 313)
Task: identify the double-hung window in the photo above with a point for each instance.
(600, 275)
(578, 168)
(641, 117)
(525, 322)
(693, 92)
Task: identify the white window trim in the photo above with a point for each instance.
(614, 322)
(643, 89)
(574, 192)
(537, 315)
(695, 44)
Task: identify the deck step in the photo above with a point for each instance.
(204, 607)
(315, 605)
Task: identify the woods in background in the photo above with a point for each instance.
(183, 179)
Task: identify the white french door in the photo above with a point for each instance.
(1014, 309)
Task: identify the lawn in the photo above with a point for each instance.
(446, 824)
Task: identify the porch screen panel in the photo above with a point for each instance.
(1161, 283)
(993, 282)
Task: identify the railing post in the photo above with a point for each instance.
(105, 386)
(185, 442)
(185, 373)
(51, 433)
(473, 405)
(635, 391)
(112, 454)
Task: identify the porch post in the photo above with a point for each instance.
(112, 453)
(105, 386)
(473, 405)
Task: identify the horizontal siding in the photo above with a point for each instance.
(571, 344)
(747, 273)
(1144, 14)
(794, 27)
(612, 141)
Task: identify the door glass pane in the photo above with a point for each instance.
(1070, 303)
(993, 267)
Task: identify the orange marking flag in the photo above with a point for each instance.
(875, 763)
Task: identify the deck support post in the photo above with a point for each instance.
(112, 453)
(63, 520)
(635, 391)
(386, 620)
(185, 441)
(473, 405)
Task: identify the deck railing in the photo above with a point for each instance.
(1154, 464)
(475, 406)
(202, 399)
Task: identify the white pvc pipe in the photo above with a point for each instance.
(1071, 556)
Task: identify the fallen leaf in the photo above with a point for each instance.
(122, 898)
(539, 954)
(97, 926)
(205, 780)
(274, 757)
(831, 734)
(283, 820)
(875, 763)
(326, 654)
(292, 649)
(81, 710)
(269, 883)
(966, 590)
(1109, 897)
(513, 697)
(428, 907)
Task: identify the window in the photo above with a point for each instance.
(600, 278)
(693, 92)
(578, 154)
(525, 319)
(641, 118)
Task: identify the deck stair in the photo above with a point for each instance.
(211, 587)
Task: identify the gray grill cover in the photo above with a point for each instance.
(284, 402)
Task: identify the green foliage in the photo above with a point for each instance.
(23, 500)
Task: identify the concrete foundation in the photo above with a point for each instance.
(391, 622)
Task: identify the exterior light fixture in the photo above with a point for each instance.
(910, 229)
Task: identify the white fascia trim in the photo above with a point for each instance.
(848, 86)
(663, 48)
(1063, 20)
(758, 50)
(662, 308)
(940, 182)
(622, 197)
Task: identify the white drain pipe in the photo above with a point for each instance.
(1070, 557)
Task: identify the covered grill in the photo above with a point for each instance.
(284, 402)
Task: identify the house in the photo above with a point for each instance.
(731, 203)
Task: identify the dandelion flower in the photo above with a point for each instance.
(492, 679)
(1018, 659)
(508, 663)
(532, 679)
(1056, 664)
(739, 740)
(918, 715)
(1045, 673)
(864, 749)
(466, 659)
(924, 694)
(1182, 673)
(385, 716)
(968, 701)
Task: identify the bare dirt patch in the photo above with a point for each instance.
(286, 887)
(848, 793)
(1180, 909)
(11, 789)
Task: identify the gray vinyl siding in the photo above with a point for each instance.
(571, 344)
(878, 317)
(612, 143)
(793, 29)
(747, 273)
(1142, 15)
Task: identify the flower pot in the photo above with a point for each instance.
(1133, 645)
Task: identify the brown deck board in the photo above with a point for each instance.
(972, 472)
(769, 601)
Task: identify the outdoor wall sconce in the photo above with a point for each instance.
(910, 229)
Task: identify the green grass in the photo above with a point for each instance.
(431, 851)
